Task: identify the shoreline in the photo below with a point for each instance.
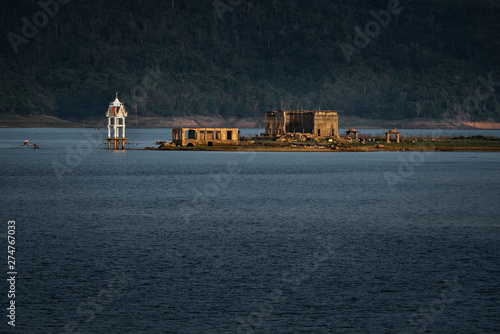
(280, 150)
(44, 121)
(493, 146)
(455, 149)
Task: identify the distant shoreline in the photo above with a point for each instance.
(42, 121)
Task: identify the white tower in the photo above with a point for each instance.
(116, 118)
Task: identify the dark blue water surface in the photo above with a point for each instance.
(220, 242)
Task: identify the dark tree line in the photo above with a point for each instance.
(427, 61)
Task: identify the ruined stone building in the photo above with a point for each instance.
(205, 136)
(321, 123)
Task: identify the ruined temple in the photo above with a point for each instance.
(321, 123)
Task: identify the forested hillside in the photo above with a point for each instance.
(240, 58)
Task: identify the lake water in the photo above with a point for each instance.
(142, 241)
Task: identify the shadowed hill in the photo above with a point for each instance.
(174, 58)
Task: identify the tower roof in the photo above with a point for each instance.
(116, 102)
(116, 109)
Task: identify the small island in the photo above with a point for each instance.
(316, 131)
(460, 143)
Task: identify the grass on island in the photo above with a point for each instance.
(443, 143)
(476, 143)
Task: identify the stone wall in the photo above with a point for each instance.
(205, 136)
(320, 123)
(326, 124)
